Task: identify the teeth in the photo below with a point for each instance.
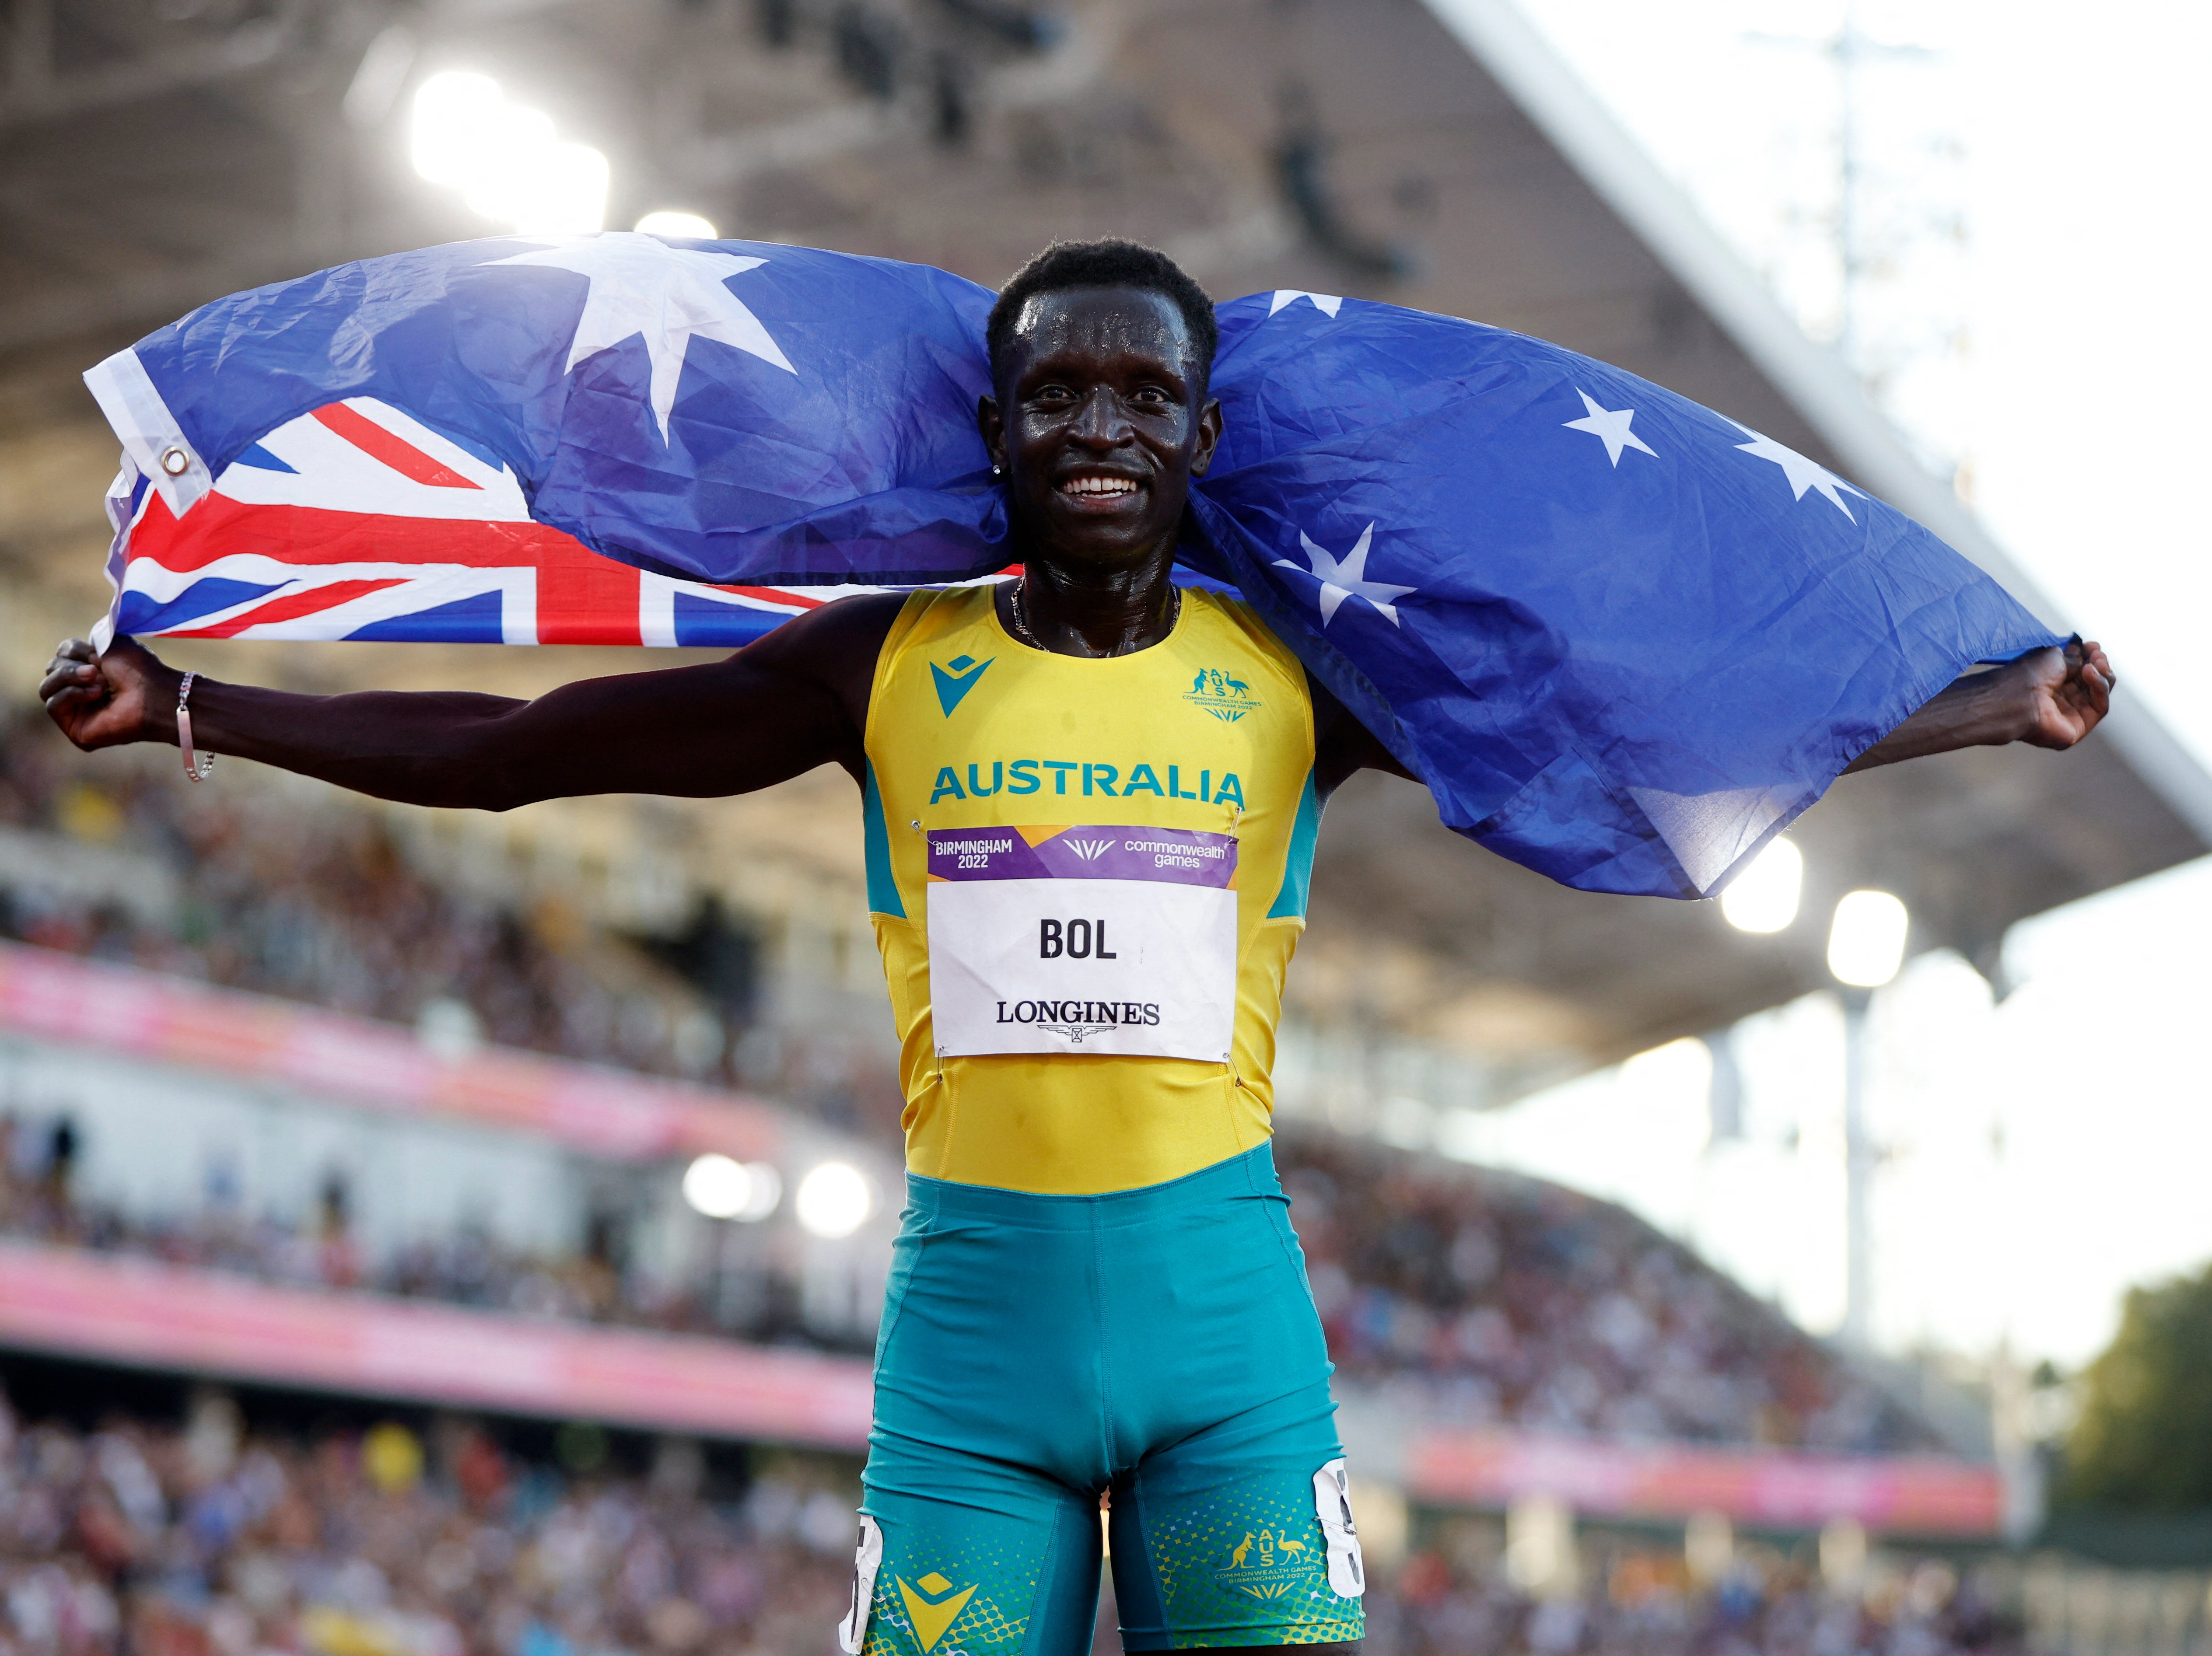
(1099, 486)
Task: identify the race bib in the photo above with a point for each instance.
(1113, 940)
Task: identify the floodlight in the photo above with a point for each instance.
(1763, 897)
(504, 158)
(1867, 943)
(834, 1199)
(717, 1186)
(764, 1189)
(565, 193)
(723, 1188)
(688, 227)
(454, 115)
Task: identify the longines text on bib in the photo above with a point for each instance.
(1111, 940)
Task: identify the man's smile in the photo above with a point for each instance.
(1103, 487)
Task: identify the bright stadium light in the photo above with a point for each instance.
(1866, 945)
(688, 227)
(723, 1188)
(504, 159)
(763, 1190)
(717, 1186)
(834, 1199)
(1764, 897)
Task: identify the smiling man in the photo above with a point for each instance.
(1091, 798)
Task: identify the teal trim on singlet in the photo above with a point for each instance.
(882, 889)
(1297, 865)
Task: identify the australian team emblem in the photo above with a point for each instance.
(1227, 699)
(1266, 1565)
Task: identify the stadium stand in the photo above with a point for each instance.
(1505, 1300)
(1517, 1300)
(206, 1540)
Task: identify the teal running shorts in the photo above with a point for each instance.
(1159, 1346)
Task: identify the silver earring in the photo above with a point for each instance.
(998, 470)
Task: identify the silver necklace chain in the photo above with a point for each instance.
(1027, 633)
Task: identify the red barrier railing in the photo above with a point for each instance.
(152, 1315)
(1906, 1494)
(353, 1061)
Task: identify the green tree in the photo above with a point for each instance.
(2144, 1436)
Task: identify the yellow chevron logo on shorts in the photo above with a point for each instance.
(932, 1606)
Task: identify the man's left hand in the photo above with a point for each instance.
(2068, 692)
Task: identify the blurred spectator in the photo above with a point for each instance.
(127, 1540)
(321, 906)
(1516, 1301)
(1639, 1599)
(145, 1539)
(467, 1267)
(1506, 1301)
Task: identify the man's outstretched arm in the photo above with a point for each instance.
(777, 709)
(2048, 698)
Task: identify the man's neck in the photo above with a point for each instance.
(1093, 612)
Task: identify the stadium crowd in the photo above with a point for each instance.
(1514, 1301)
(1504, 1300)
(170, 1543)
(1638, 1600)
(40, 1201)
(156, 1541)
(322, 906)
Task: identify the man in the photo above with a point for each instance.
(1087, 882)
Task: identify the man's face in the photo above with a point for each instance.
(1098, 430)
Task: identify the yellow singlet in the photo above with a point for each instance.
(1119, 851)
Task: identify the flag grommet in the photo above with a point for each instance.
(175, 461)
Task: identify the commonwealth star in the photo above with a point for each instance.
(641, 288)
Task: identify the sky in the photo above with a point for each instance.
(2032, 243)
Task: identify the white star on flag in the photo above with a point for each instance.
(1340, 581)
(1326, 303)
(1609, 426)
(643, 287)
(1803, 474)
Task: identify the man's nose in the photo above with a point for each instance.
(1101, 422)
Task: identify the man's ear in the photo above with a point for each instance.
(1209, 434)
(992, 426)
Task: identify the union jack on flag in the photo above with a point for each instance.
(357, 522)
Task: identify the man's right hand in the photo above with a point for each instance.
(103, 702)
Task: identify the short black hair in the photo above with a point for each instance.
(1111, 263)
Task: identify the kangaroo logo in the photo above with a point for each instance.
(1226, 698)
(1268, 1564)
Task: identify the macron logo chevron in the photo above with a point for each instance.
(955, 678)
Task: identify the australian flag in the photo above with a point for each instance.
(1624, 639)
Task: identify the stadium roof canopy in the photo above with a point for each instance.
(157, 153)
